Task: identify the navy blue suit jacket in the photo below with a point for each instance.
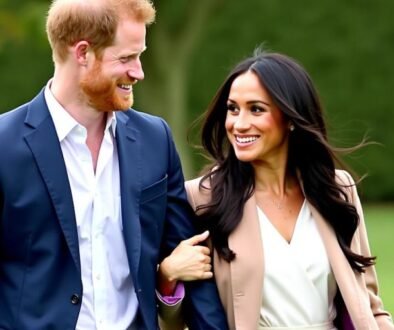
(40, 271)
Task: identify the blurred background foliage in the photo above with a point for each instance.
(345, 45)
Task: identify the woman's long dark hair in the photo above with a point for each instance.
(232, 181)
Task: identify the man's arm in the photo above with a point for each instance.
(202, 308)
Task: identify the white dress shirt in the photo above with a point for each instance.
(299, 286)
(109, 300)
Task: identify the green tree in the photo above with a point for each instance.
(25, 60)
(168, 64)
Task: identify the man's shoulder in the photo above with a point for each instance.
(19, 114)
(139, 118)
(150, 125)
(14, 115)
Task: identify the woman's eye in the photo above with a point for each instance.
(231, 107)
(257, 109)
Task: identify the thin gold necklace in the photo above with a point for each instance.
(278, 203)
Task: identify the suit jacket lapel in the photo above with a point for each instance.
(130, 167)
(45, 147)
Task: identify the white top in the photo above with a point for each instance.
(109, 300)
(299, 286)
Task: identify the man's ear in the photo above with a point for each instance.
(81, 49)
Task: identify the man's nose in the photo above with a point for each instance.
(135, 71)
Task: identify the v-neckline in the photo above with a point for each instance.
(263, 217)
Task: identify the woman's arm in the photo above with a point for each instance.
(360, 245)
(382, 317)
(188, 262)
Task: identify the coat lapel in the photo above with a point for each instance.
(45, 147)
(344, 274)
(247, 270)
(130, 167)
(240, 282)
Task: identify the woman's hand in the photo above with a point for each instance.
(188, 262)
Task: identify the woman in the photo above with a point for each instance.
(290, 248)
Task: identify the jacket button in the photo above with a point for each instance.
(75, 299)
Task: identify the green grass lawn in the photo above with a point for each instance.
(380, 225)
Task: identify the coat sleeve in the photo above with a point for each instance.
(201, 307)
(361, 245)
(170, 315)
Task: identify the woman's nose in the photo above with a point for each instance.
(242, 122)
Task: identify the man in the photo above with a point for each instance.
(88, 196)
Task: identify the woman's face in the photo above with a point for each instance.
(255, 127)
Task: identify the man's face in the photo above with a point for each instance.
(108, 82)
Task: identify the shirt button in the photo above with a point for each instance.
(75, 299)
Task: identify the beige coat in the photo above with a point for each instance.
(240, 282)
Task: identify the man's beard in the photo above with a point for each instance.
(100, 91)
